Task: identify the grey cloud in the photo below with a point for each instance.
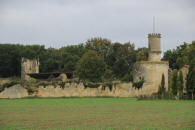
(61, 22)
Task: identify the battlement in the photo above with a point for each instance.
(154, 35)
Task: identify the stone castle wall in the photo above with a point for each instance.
(152, 72)
(16, 91)
(76, 90)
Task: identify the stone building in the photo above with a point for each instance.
(27, 67)
(153, 69)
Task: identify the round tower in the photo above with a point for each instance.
(154, 46)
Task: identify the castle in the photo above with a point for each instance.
(151, 70)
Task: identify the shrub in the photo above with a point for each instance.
(139, 84)
(30, 90)
(62, 84)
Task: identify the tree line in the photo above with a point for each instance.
(182, 55)
(115, 59)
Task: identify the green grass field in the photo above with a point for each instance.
(96, 113)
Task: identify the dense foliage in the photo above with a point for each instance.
(180, 84)
(190, 84)
(182, 55)
(91, 67)
(119, 58)
(173, 83)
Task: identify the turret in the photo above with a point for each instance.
(154, 46)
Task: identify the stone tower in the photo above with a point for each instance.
(153, 69)
(154, 46)
(29, 66)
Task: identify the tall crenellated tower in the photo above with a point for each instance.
(153, 69)
(154, 46)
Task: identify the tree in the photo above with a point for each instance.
(190, 84)
(121, 58)
(173, 83)
(101, 45)
(128, 77)
(180, 56)
(108, 75)
(142, 54)
(161, 89)
(163, 83)
(180, 84)
(171, 56)
(91, 67)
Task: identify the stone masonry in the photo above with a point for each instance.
(28, 66)
(153, 69)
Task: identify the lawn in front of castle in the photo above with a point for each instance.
(96, 113)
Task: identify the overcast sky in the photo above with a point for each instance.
(58, 23)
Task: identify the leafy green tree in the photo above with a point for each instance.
(91, 67)
(171, 56)
(161, 89)
(142, 54)
(101, 45)
(180, 56)
(173, 83)
(180, 84)
(9, 60)
(190, 84)
(69, 56)
(50, 61)
(121, 59)
(108, 75)
(163, 83)
(128, 77)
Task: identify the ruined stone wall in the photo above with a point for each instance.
(28, 66)
(152, 72)
(16, 91)
(76, 90)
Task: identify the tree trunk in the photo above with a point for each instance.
(192, 96)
